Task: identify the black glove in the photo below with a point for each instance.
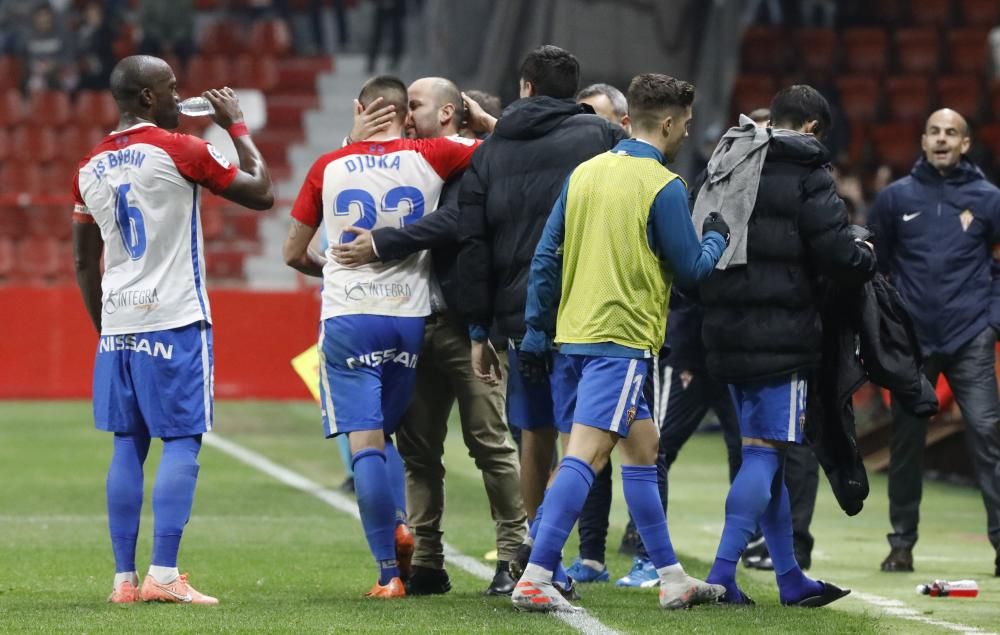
(534, 357)
(714, 222)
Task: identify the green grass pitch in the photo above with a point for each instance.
(283, 561)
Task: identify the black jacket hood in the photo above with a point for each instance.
(534, 117)
(803, 149)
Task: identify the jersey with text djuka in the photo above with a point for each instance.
(141, 187)
(374, 185)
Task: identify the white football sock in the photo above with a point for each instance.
(672, 574)
(593, 564)
(535, 573)
(126, 576)
(163, 575)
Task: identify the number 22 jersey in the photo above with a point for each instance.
(141, 187)
(375, 184)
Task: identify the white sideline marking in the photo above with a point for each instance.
(582, 622)
(897, 608)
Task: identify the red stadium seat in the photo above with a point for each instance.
(917, 50)
(224, 37)
(223, 264)
(816, 49)
(891, 11)
(12, 222)
(18, 178)
(244, 225)
(981, 13)
(49, 108)
(962, 93)
(10, 72)
(763, 50)
(751, 92)
(37, 260)
(270, 37)
(212, 224)
(285, 111)
(936, 12)
(908, 98)
(76, 142)
(34, 143)
(206, 72)
(866, 50)
(96, 108)
(7, 258)
(859, 97)
(896, 145)
(12, 109)
(989, 136)
(967, 50)
(54, 220)
(59, 177)
(256, 71)
(5, 148)
(299, 74)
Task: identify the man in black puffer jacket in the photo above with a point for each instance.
(506, 196)
(763, 335)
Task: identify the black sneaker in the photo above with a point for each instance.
(899, 559)
(503, 583)
(630, 541)
(427, 581)
(997, 564)
(520, 561)
(347, 487)
(830, 593)
(569, 591)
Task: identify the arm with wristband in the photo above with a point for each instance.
(252, 185)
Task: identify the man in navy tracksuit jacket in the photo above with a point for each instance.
(934, 233)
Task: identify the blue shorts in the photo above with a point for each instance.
(529, 405)
(367, 371)
(600, 392)
(158, 381)
(772, 409)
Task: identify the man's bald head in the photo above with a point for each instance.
(436, 108)
(145, 87)
(945, 139)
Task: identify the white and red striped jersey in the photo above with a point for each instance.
(374, 185)
(140, 185)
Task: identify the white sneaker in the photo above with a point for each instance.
(674, 595)
(543, 597)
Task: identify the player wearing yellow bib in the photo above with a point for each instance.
(618, 236)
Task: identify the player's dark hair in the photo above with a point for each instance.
(651, 95)
(490, 103)
(552, 71)
(391, 89)
(792, 107)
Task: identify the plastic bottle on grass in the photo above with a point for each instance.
(953, 589)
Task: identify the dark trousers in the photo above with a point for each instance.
(971, 374)
(802, 481)
(389, 15)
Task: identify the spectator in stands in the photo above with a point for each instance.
(935, 230)
(167, 28)
(95, 48)
(389, 15)
(47, 53)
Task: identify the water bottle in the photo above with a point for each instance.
(954, 589)
(196, 107)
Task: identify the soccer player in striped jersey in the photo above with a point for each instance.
(373, 315)
(137, 204)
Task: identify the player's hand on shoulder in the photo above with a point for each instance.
(534, 357)
(226, 105)
(476, 119)
(486, 362)
(359, 251)
(371, 120)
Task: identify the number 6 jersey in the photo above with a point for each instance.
(374, 184)
(140, 185)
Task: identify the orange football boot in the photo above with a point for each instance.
(124, 593)
(404, 550)
(177, 592)
(394, 589)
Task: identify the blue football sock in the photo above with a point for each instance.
(124, 493)
(173, 496)
(559, 575)
(537, 520)
(378, 515)
(642, 495)
(344, 447)
(776, 525)
(397, 479)
(748, 498)
(563, 503)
